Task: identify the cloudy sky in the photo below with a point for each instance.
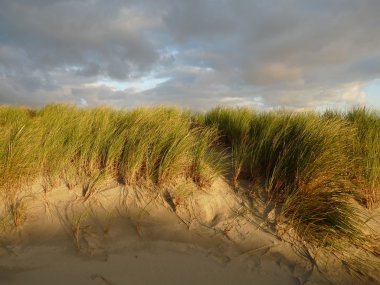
(199, 53)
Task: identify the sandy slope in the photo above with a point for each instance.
(135, 236)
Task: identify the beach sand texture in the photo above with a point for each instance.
(124, 235)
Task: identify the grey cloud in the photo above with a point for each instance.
(208, 20)
(68, 33)
(290, 53)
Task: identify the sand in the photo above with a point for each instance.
(124, 235)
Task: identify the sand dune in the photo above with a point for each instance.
(138, 236)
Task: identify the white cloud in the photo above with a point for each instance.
(354, 93)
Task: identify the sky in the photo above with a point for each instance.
(196, 54)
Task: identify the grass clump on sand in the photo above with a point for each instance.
(234, 125)
(15, 143)
(366, 149)
(301, 163)
(306, 164)
(147, 145)
(312, 168)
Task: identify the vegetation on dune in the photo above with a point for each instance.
(301, 162)
(366, 149)
(234, 126)
(311, 167)
(155, 146)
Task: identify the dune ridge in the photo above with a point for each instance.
(296, 190)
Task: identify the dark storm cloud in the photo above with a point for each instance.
(261, 53)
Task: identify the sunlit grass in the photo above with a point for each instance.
(366, 148)
(295, 158)
(157, 146)
(234, 125)
(312, 168)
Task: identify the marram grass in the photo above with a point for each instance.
(301, 162)
(313, 168)
(366, 149)
(147, 145)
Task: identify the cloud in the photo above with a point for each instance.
(274, 73)
(79, 33)
(293, 53)
(354, 93)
